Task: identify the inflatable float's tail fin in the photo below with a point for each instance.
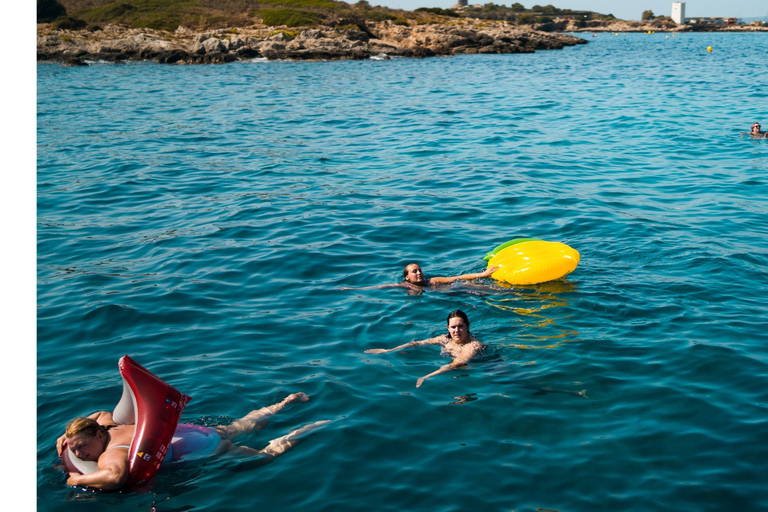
(125, 410)
(156, 407)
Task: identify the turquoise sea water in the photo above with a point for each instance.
(203, 220)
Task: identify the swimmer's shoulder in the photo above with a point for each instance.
(477, 343)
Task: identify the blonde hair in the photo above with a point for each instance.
(86, 426)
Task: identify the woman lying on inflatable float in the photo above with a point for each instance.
(103, 452)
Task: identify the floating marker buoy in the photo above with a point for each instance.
(709, 48)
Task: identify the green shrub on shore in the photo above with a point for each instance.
(49, 10)
(290, 34)
(290, 17)
(526, 19)
(117, 10)
(68, 23)
(156, 14)
(442, 12)
(305, 4)
(347, 27)
(380, 16)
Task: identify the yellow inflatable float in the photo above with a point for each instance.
(532, 261)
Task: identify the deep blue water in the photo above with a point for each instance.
(203, 220)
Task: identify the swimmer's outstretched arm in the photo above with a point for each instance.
(464, 277)
(463, 358)
(111, 475)
(377, 287)
(445, 368)
(430, 341)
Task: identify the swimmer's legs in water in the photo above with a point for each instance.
(276, 447)
(256, 419)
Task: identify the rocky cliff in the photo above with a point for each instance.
(342, 41)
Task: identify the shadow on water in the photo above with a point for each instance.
(528, 304)
(532, 299)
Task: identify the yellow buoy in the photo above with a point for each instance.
(709, 48)
(534, 262)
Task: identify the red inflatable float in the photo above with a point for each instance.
(154, 407)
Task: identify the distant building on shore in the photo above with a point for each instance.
(678, 12)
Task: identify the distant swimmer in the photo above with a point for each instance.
(97, 438)
(756, 133)
(415, 280)
(458, 343)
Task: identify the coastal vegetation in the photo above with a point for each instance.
(168, 15)
(208, 14)
(519, 14)
(49, 10)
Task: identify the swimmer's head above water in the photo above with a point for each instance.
(458, 326)
(413, 274)
(86, 438)
(755, 131)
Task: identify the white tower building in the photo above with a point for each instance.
(678, 12)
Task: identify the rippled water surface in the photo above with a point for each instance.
(204, 219)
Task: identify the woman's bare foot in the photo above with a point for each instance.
(295, 397)
(282, 444)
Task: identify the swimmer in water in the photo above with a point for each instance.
(97, 438)
(458, 343)
(756, 133)
(416, 282)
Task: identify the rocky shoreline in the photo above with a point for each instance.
(343, 41)
(659, 25)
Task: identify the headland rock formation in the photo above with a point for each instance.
(76, 32)
(326, 42)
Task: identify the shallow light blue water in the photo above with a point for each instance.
(203, 220)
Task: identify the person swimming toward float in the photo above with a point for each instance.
(415, 280)
(459, 343)
(103, 451)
